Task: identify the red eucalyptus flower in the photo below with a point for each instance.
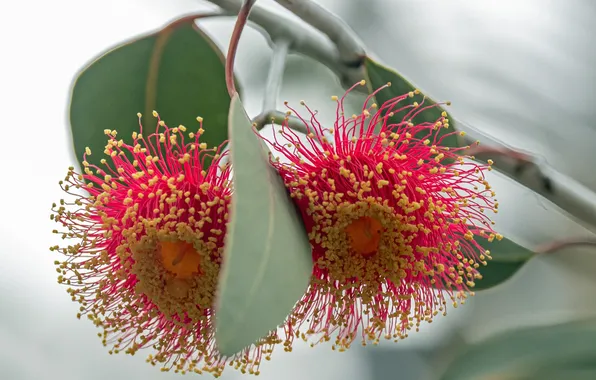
(148, 234)
(392, 219)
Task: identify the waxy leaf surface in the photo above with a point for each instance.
(177, 71)
(564, 351)
(507, 258)
(267, 259)
(379, 75)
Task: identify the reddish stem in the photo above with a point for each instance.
(234, 41)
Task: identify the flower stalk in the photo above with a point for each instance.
(234, 41)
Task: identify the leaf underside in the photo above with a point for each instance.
(564, 351)
(267, 261)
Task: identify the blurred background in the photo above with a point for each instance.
(521, 72)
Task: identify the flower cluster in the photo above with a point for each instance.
(393, 218)
(148, 228)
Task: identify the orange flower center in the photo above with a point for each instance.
(180, 258)
(365, 234)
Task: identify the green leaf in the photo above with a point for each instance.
(177, 71)
(267, 261)
(539, 353)
(379, 75)
(564, 371)
(507, 258)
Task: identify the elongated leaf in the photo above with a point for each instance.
(267, 262)
(534, 353)
(567, 372)
(508, 258)
(379, 75)
(177, 71)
